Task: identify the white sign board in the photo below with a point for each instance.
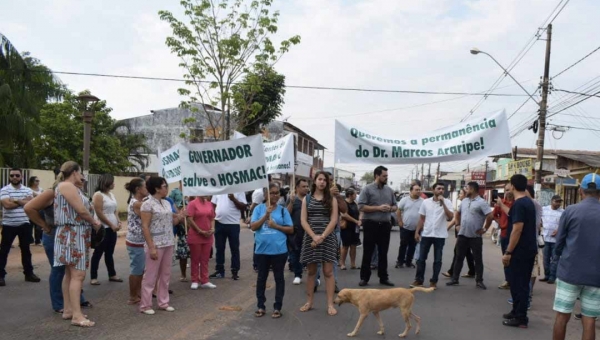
(280, 155)
(225, 167)
(475, 138)
(170, 167)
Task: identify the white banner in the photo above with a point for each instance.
(475, 138)
(170, 167)
(280, 155)
(237, 135)
(226, 167)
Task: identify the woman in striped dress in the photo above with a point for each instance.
(73, 216)
(319, 217)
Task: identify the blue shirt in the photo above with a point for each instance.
(523, 211)
(578, 244)
(170, 200)
(269, 241)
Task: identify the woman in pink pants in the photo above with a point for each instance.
(157, 225)
(201, 218)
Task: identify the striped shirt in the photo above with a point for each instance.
(65, 214)
(14, 217)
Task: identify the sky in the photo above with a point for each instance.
(380, 44)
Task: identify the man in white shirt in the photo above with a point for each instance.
(550, 217)
(408, 218)
(432, 230)
(227, 227)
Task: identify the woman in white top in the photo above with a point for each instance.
(105, 206)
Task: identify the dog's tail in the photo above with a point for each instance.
(422, 289)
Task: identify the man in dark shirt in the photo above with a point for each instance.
(294, 207)
(520, 253)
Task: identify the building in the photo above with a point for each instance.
(342, 177)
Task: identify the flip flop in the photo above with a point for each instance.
(259, 313)
(85, 323)
(183, 279)
(95, 283)
(71, 317)
(343, 268)
(115, 279)
(306, 307)
(330, 312)
(354, 267)
(276, 314)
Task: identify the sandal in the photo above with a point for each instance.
(95, 282)
(183, 279)
(115, 279)
(85, 323)
(307, 306)
(354, 267)
(331, 311)
(71, 317)
(276, 314)
(133, 302)
(259, 313)
(343, 267)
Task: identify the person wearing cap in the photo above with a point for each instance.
(550, 218)
(577, 250)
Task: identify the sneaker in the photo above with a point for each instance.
(433, 285)
(481, 285)
(317, 285)
(504, 285)
(168, 309)
(149, 312)
(447, 274)
(550, 282)
(510, 301)
(452, 283)
(235, 276)
(2, 282)
(208, 285)
(195, 285)
(514, 322)
(217, 275)
(297, 281)
(416, 284)
(468, 276)
(508, 316)
(32, 278)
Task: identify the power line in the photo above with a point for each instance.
(576, 127)
(579, 93)
(577, 62)
(584, 99)
(289, 86)
(563, 7)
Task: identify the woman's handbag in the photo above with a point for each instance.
(97, 237)
(540, 241)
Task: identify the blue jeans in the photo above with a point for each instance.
(549, 262)
(56, 274)
(224, 232)
(438, 249)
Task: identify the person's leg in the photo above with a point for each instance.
(263, 264)
(404, 239)
(503, 245)
(353, 256)
(551, 246)
(56, 274)
(460, 252)
(476, 247)
(383, 245)
(343, 256)
(590, 310)
(8, 236)
(75, 284)
(96, 256)
(560, 326)
(165, 256)
(234, 246)
(375, 257)
(547, 252)
(111, 243)
(37, 232)
(136, 272)
(438, 252)
(311, 273)
(149, 282)
(521, 273)
(205, 249)
(453, 264)
(278, 262)
(195, 256)
(470, 263)
(565, 298)
(25, 233)
(368, 249)
(220, 239)
(329, 286)
(410, 252)
(426, 243)
(589, 328)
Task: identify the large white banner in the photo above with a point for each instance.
(478, 137)
(280, 155)
(170, 167)
(226, 167)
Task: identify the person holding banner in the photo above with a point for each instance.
(271, 223)
(319, 218)
(227, 227)
(376, 202)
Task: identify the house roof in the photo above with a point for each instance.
(590, 158)
(547, 153)
(295, 128)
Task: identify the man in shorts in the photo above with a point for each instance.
(577, 252)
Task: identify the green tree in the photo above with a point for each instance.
(368, 177)
(217, 44)
(25, 86)
(258, 99)
(61, 139)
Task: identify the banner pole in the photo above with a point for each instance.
(184, 208)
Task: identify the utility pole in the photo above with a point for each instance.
(486, 171)
(422, 173)
(543, 108)
(437, 177)
(429, 176)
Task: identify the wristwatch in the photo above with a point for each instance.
(507, 253)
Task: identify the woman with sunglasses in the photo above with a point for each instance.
(271, 223)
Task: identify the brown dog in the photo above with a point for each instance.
(375, 300)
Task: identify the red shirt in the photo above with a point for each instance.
(501, 217)
(203, 213)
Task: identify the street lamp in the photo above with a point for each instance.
(88, 102)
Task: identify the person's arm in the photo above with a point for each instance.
(98, 202)
(304, 220)
(420, 225)
(190, 219)
(393, 204)
(349, 218)
(502, 206)
(239, 205)
(341, 203)
(455, 221)
(290, 205)
(287, 229)
(399, 218)
(146, 216)
(10, 204)
(488, 221)
(515, 236)
(448, 211)
(362, 203)
(71, 195)
(333, 217)
(33, 207)
(561, 237)
(258, 221)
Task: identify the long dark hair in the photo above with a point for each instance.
(104, 183)
(327, 197)
(31, 181)
(133, 186)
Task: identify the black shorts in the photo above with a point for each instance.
(350, 237)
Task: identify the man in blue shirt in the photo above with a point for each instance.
(521, 251)
(578, 254)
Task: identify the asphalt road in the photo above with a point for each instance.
(462, 312)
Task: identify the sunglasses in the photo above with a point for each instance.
(14, 176)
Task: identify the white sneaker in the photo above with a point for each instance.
(297, 281)
(208, 285)
(168, 309)
(195, 285)
(149, 312)
(318, 282)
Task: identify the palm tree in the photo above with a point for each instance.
(135, 144)
(25, 86)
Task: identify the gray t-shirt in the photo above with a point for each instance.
(410, 212)
(472, 216)
(373, 195)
